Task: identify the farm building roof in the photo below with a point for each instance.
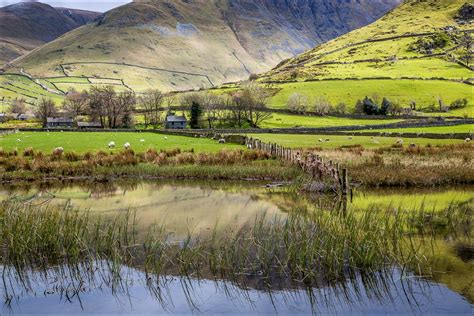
(175, 118)
(59, 120)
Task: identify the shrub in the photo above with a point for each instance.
(459, 104)
(370, 107)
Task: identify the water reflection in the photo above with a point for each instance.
(196, 207)
(93, 289)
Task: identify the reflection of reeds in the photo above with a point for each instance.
(310, 249)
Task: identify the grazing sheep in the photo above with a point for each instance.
(166, 137)
(111, 145)
(127, 146)
(400, 142)
(142, 140)
(350, 137)
(222, 141)
(58, 151)
(467, 140)
(321, 140)
(18, 140)
(328, 140)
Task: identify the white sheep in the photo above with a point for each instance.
(166, 137)
(142, 140)
(400, 142)
(467, 140)
(58, 151)
(111, 145)
(321, 140)
(18, 140)
(127, 146)
(222, 141)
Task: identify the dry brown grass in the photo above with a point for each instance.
(407, 165)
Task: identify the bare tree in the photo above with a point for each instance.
(100, 100)
(466, 42)
(152, 101)
(76, 103)
(121, 112)
(322, 106)
(45, 108)
(298, 103)
(112, 109)
(253, 100)
(18, 106)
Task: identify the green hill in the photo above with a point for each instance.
(27, 25)
(414, 53)
(180, 45)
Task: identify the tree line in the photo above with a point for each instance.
(246, 107)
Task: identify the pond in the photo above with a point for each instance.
(184, 208)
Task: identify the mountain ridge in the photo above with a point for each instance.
(225, 40)
(27, 25)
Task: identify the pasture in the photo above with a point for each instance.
(94, 141)
(279, 120)
(464, 128)
(423, 92)
(312, 141)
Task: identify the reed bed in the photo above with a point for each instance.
(225, 164)
(404, 165)
(309, 250)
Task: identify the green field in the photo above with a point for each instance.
(432, 199)
(84, 142)
(312, 141)
(465, 128)
(423, 92)
(288, 121)
(17, 86)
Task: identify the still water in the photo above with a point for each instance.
(198, 207)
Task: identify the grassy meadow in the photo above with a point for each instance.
(312, 141)
(423, 92)
(90, 142)
(463, 128)
(279, 120)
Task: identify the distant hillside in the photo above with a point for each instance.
(183, 44)
(415, 53)
(418, 39)
(27, 25)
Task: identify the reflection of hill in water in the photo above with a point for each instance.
(178, 208)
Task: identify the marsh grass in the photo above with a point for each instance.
(406, 165)
(225, 164)
(315, 249)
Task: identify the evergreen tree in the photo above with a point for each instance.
(370, 107)
(195, 115)
(386, 106)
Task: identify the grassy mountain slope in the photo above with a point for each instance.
(179, 45)
(385, 55)
(27, 25)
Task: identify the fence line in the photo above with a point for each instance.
(311, 164)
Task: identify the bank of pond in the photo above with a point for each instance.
(182, 246)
